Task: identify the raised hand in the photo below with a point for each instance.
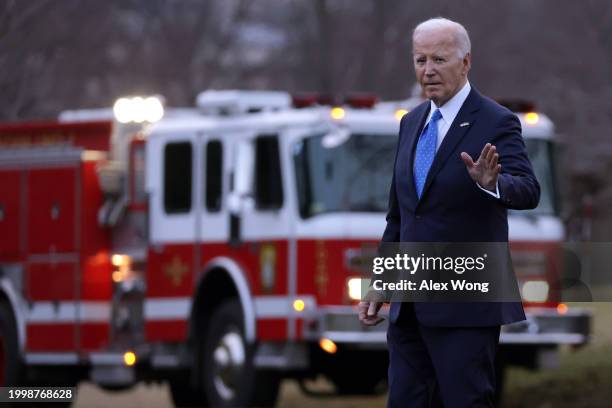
(485, 170)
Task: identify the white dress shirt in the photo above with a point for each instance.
(449, 112)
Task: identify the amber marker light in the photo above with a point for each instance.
(399, 114)
(337, 113)
(328, 346)
(117, 260)
(120, 260)
(299, 305)
(129, 358)
(562, 308)
(532, 118)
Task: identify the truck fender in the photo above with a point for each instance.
(7, 289)
(237, 275)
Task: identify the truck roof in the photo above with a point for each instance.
(91, 135)
(374, 121)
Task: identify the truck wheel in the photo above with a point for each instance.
(229, 375)
(183, 395)
(362, 384)
(11, 366)
(342, 368)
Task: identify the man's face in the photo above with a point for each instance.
(437, 65)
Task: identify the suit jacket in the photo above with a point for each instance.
(452, 207)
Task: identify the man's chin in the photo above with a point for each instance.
(433, 96)
(436, 98)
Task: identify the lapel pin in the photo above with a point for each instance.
(464, 124)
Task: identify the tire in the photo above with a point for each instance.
(11, 366)
(369, 382)
(350, 384)
(228, 373)
(12, 369)
(184, 395)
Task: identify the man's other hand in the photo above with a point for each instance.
(368, 312)
(486, 169)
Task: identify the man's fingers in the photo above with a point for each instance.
(373, 321)
(368, 313)
(363, 309)
(490, 153)
(373, 309)
(484, 152)
(467, 159)
(493, 161)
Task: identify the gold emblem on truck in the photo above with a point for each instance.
(321, 276)
(267, 267)
(175, 270)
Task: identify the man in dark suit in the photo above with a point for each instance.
(443, 354)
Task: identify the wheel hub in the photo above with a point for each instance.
(228, 357)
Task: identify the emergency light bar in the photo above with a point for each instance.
(361, 101)
(303, 101)
(358, 101)
(307, 100)
(234, 102)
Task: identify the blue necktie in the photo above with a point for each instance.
(425, 152)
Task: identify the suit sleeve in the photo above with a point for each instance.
(392, 231)
(518, 187)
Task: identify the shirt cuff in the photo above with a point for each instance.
(491, 193)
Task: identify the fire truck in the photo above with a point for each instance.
(221, 248)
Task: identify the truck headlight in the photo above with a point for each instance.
(123, 265)
(354, 288)
(535, 291)
(127, 314)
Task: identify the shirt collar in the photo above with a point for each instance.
(451, 108)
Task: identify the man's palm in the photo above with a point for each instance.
(485, 170)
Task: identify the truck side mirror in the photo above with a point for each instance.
(241, 191)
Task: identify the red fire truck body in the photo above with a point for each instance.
(219, 249)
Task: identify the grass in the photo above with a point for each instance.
(584, 378)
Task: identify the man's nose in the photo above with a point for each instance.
(429, 68)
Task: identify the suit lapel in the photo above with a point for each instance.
(467, 113)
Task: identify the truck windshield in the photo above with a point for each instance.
(350, 172)
(353, 173)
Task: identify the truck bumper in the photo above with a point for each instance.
(543, 327)
(546, 326)
(341, 325)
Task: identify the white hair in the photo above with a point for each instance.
(462, 39)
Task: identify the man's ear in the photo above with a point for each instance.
(467, 63)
